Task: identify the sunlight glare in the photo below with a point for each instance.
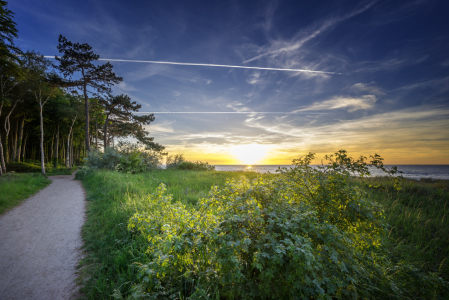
(250, 153)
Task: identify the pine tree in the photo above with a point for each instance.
(79, 58)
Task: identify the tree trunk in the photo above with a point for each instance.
(7, 128)
(71, 151)
(51, 147)
(14, 141)
(86, 108)
(67, 163)
(42, 137)
(3, 167)
(55, 159)
(24, 146)
(19, 142)
(2, 158)
(96, 134)
(67, 158)
(105, 132)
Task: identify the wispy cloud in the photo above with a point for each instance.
(404, 134)
(353, 104)
(425, 84)
(279, 47)
(367, 87)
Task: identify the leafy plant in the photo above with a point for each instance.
(307, 233)
(131, 163)
(195, 166)
(173, 161)
(127, 158)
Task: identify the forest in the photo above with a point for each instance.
(53, 111)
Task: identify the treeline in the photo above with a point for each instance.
(55, 111)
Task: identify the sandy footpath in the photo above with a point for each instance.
(40, 243)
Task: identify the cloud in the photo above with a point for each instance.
(405, 135)
(254, 78)
(367, 87)
(353, 104)
(388, 64)
(425, 84)
(124, 87)
(160, 128)
(279, 47)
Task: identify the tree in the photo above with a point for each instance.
(8, 32)
(119, 112)
(79, 58)
(8, 61)
(42, 91)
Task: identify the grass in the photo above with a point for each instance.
(34, 166)
(14, 188)
(419, 225)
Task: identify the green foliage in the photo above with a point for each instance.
(131, 163)
(109, 159)
(173, 161)
(111, 249)
(178, 162)
(14, 188)
(128, 158)
(195, 166)
(34, 166)
(23, 167)
(306, 233)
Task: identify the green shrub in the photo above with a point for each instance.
(126, 159)
(131, 163)
(109, 159)
(173, 161)
(195, 166)
(305, 234)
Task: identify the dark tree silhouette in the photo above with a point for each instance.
(79, 58)
(119, 111)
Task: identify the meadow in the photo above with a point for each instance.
(165, 234)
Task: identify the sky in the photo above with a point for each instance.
(380, 80)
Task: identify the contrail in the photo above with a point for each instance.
(228, 112)
(211, 65)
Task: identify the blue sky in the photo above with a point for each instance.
(381, 86)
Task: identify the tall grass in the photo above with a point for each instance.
(419, 222)
(14, 188)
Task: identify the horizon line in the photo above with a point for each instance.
(208, 65)
(228, 112)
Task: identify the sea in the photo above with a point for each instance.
(416, 172)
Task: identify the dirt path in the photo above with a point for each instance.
(40, 243)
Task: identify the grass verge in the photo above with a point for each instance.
(15, 187)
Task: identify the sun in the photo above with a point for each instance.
(249, 153)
